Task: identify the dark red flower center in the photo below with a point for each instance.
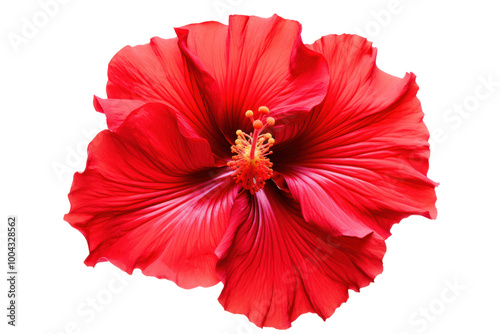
(250, 163)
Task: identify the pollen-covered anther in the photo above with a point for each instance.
(250, 163)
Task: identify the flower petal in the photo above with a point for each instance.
(157, 72)
(205, 44)
(276, 266)
(361, 157)
(150, 198)
(257, 62)
(116, 111)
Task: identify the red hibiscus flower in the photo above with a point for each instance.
(239, 154)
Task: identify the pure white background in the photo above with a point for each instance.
(47, 119)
